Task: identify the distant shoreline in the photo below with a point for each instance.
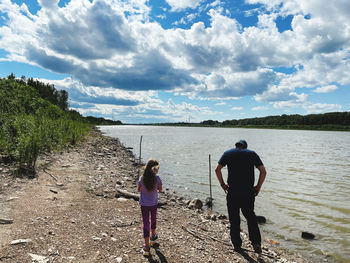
(339, 128)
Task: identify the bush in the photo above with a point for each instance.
(30, 125)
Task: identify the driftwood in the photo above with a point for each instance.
(136, 197)
(127, 194)
(6, 221)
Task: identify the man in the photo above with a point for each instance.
(241, 191)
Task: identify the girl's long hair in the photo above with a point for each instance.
(149, 175)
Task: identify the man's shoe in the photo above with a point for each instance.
(237, 248)
(257, 248)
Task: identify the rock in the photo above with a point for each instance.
(307, 235)
(221, 217)
(11, 198)
(273, 242)
(119, 259)
(122, 199)
(20, 241)
(6, 221)
(213, 217)
(261, 219)
(195, 203)
(38, 258)
(96, 238)
(207, 216)
(209, 202)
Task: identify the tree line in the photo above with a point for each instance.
(325, 121)
(45, 90)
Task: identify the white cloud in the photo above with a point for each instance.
(237, 108)
(177, 5)
(326, 89)
(294, 101)
(127, 105)
(322, 108)
(96, 95)
(51, 4)
(260, 108)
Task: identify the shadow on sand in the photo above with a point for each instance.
(244, 254)
(162, 258)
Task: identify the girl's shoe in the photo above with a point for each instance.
(153, 239)
(146, 251)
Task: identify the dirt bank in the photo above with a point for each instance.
(70, 213)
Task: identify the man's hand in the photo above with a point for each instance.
(256, 190)
(219, 176)
(262, 176)
(225, 187)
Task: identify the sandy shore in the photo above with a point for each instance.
(70, 213)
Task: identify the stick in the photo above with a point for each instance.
(123, 224)
(138, 171)
(6, 221)
(50, 174)
(192, 233)
(211, 198)
(140, 150)
(223, 242)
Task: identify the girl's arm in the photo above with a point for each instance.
(160, 188)
(139, 188)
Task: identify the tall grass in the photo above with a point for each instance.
(30, 126)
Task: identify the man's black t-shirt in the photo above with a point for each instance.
(240, 164)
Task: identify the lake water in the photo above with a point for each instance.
(307, 187)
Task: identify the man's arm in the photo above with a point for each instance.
(261, 180)
(219, 176)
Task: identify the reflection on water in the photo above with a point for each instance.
(307, 186)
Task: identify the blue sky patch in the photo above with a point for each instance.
(284, 23)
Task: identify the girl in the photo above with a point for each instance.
(149, 185)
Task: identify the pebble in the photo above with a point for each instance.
(38, 258)
(20, 241)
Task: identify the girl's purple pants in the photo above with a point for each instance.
(148, 211)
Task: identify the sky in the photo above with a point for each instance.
(151, 61)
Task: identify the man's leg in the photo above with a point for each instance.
(235, 220)
(253, 228)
